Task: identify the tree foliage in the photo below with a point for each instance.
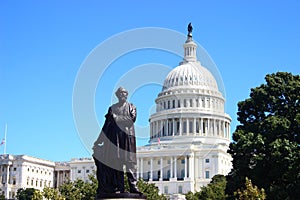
(150, 190)
(265, 145)
(37, 195)
(52, 194)
(25, 194)
(215, 190)
(79, 190)
(251, 192)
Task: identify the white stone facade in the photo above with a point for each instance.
(21, 171)
(81, 168)
(189, 132)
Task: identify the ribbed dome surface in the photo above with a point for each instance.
(190, 75)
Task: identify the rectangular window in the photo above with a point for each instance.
(180, 189)
(79, 171)
(206, 174)
(182, 161)
(166, 190)
(87, 171)
(206, 160)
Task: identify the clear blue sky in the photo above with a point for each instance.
(44, 43)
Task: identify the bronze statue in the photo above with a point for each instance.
(116, 147)
(190, 29)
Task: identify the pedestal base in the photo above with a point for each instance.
(118, 196)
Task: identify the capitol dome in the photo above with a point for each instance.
(189, 131)
(190, 105)
(191, 75)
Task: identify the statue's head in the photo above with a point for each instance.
(122, 94)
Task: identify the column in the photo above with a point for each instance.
(187, 126)
(142, 170)
(160, 128)
(161, 169)
(180, 126)
(185, 167)
(194, 129)
(57, 181)
(7, 175)
(219, 127)
(137, 169)
(171, 167)
(223, 130)
(173, 124)
(167, 127)
(200, 167)
(228, 135)
(175, 168)
(7, 182)
(201, 126)
(215, 127)
(151, 169)
(192, 166)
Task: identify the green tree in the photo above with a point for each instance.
(215, 190)
(79, 190)
(52, 194)
(150, 190)
(25, 194)
(251, 192)
(2, 197)
(266, 144)
(37, 195)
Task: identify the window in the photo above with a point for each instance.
(169, 161)
(31, 182)
(158, 162)
(182, 161)
(206, 160)
(87, 171)
(178, 103)
(15, 169)
(166, 190)
(79, 171)
(206, 174)
(173, 104)
(180, 189)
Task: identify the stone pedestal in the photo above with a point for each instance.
(119, 196)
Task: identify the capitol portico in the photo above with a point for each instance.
(189, 132)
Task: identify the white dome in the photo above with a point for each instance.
(190, 75)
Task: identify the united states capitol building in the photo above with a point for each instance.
(189, 139)
(189, 132)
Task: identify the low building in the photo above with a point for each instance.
(22, 171)
(81, 168)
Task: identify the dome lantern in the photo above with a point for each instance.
(190, 47)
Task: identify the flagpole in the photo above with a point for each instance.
(4, 151)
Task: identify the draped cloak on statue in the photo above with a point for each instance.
(115, 145)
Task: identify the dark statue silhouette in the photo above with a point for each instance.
(115, 148)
